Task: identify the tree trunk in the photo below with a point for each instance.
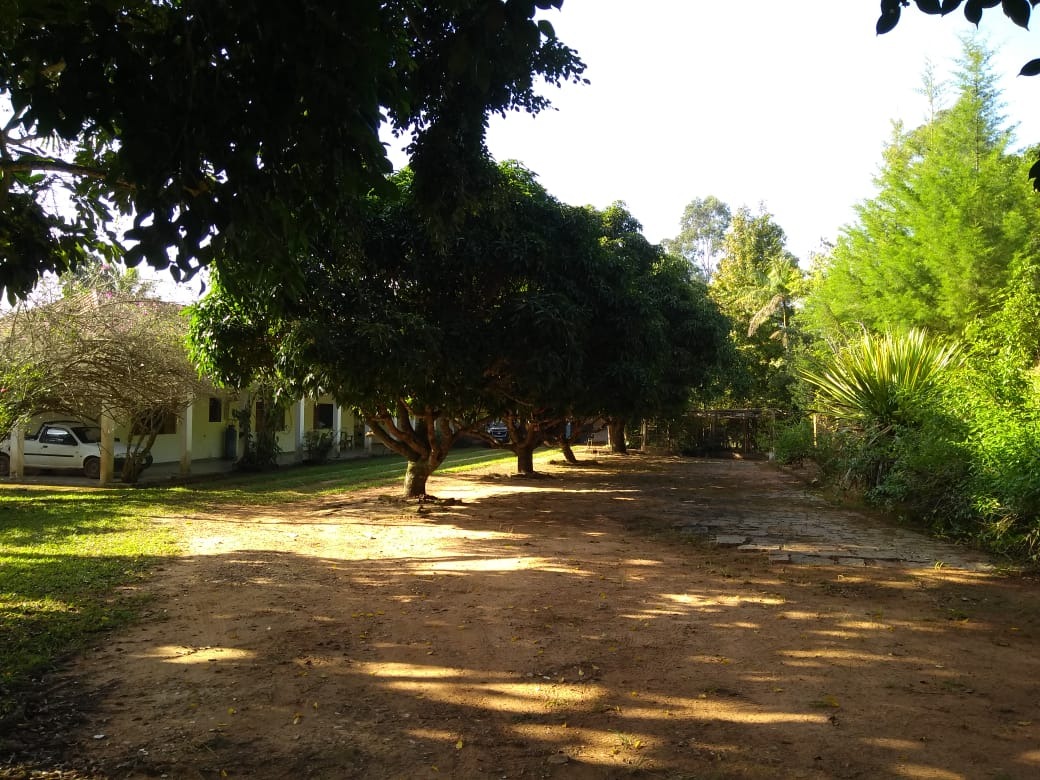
(616, 429)
(415, 477)
(136, 454)
(131, 470)
(525, 459)
(568, 453)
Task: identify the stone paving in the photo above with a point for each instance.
(756, 507)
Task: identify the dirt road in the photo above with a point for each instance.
(639, 617)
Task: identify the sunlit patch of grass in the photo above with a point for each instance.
(66, 559)
(284, 485)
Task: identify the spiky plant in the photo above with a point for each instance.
(882, 381)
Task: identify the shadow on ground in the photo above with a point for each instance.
(566, 627)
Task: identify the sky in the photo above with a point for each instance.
(786, 104)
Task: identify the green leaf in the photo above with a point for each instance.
(1017, 11)
(949, 6)
(1031, 68)
(1034, 171)
(887, 21)
(973, 11)
(930, 6)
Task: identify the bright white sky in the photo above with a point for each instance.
(783, 103)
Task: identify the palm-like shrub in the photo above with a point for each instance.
(882, 381)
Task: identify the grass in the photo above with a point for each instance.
(72, 561)
(288, 484)
(68, 564)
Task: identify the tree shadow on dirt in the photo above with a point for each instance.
(558, 629)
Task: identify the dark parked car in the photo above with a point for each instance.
(498, 431)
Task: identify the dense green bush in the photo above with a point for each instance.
(793, 442)
(926, 478)
(965, 462)
(1005, 486)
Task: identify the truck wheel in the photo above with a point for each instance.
(92, 468)
(5, 466)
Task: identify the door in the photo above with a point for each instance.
(55, 448)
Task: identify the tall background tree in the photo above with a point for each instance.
(1018, 11)
(702, 233)
(757, 285)
(953, 215)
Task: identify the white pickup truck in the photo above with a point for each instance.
(64, 444)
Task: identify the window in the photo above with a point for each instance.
(275, 418)
(153, 420)
(323, 416)
(216, 410)
(57, 436)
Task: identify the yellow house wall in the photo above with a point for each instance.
(207, 438)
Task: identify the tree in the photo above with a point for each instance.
(426, 336)
(542, 325)
(702, 232)
(95, 352)
(239, 131)
(1018, 11)
(655, 336)
(758, 282)
(640, 336)
(952, 214)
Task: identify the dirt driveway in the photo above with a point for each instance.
(600, 623)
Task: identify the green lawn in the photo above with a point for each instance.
(70, 559)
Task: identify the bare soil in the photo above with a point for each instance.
(565, 627)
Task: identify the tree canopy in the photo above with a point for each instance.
(240, 130)
(411, 326)
(952, 218)
(702, 230)
(1018, 11)
(757, 285)
(106, 344)
(531, 311)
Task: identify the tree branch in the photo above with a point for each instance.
(29, 164)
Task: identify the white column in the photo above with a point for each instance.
(337, 427)
(17, 453)
(368, 439)
(301, 410)
(187, 422)
(108, 445)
